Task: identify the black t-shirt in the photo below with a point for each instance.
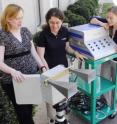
(55, 52)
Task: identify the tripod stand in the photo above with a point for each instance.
(61, 109)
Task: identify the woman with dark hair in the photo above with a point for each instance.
(52, 43)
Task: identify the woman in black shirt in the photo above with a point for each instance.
(52, 44)
(53, 41)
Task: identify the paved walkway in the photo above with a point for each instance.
(41, 117)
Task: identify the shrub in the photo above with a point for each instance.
(7, 114)
(80, 12)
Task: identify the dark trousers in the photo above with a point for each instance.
(24, 112)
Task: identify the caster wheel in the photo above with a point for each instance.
(112, 116)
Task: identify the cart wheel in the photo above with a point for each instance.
(113, 115)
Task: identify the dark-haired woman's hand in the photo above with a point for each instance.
(79, 56)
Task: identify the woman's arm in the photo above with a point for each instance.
(100, 22)
(17, 75)
(37, 57)
(71, 51)
(41, 52)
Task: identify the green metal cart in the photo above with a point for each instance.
(95, 89)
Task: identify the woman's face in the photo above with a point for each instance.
(55, 24)
(16, 22)
(112, 19)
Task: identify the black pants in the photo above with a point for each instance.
(24, 112)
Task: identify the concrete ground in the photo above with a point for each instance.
(41, 117)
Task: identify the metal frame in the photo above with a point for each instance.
(108, 86)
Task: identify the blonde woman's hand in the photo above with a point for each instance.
(44, 69)
(17, 75)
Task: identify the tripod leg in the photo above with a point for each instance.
(64, 122)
